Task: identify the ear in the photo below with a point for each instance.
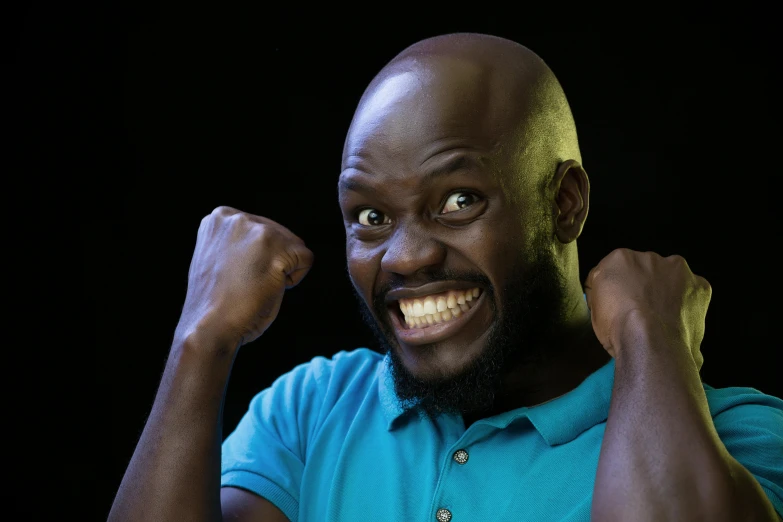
(571, 189)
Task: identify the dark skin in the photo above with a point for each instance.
(457, 111)
(503, 215)
(505, 240)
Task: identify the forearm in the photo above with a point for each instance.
(174, 473)
(661, 458)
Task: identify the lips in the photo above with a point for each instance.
(436, 332)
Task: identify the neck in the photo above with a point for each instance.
(578, 354)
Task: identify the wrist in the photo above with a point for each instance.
(643, 333)
(650, 351)
(205, 338)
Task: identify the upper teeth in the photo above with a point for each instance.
(437, 307)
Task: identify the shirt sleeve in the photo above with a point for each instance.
(266, 452)
(750, 424)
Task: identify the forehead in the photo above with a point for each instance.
(417, 109)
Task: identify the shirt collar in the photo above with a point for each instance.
(558, 421)
(565, 418)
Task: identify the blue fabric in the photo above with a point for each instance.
(328, 442)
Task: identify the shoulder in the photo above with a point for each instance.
(750, 425)
(298, 401)
(324, 379)
(737, 400)
(343, 368)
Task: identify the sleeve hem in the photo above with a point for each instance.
(263, 487)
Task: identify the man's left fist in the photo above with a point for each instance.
(663, 289)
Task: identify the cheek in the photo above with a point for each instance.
(363, 266)
(493, 243)
(498, 247)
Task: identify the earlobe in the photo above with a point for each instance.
(571, 200)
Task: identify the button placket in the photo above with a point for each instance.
(460, 457)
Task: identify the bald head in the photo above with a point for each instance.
(461, 170)
(476, 83)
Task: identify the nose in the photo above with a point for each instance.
(410, 250)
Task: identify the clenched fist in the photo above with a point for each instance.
(663, 288)
(240, 269)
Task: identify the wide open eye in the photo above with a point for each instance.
(458, 201)
(371, 217)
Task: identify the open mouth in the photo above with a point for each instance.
(433, 318)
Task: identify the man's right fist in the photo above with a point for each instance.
(240, 269)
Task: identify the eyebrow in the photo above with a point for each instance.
(446, 168)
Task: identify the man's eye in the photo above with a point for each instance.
(457, 201)
(371, 217)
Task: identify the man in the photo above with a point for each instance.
(508, 390)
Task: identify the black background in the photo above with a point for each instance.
(138, 121)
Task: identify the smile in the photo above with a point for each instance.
(433, 318)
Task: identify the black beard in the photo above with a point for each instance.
(521, 336)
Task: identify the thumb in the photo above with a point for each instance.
(301, 261)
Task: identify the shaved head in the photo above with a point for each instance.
(513, 94)
(462, 194)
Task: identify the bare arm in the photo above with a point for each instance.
(241, 267)
(661, 458)
(174, 473)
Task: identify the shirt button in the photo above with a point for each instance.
(443, 515)
(461, 456)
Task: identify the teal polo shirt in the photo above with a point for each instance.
(328, 442)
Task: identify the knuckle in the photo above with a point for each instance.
(266, 236)
(296, 240)
(223, 210)
(263, 230)
(677, 259)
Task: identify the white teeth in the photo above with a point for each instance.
(422, 312)
(442, 304)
